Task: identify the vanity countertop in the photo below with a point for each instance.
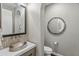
(6, 52)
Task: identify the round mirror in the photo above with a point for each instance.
(56, 25)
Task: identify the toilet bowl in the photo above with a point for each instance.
(47, 51)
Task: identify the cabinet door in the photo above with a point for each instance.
(31, 52)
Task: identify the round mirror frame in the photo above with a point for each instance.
(54, 19)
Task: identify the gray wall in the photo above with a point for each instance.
(34, 26)
(69, 40)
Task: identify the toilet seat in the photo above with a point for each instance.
(47, 50)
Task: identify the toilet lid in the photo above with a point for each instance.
(47, 49)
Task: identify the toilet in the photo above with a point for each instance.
(47, 51)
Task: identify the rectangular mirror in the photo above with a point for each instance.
(13, 16)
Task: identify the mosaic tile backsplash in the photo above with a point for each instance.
(13, 39)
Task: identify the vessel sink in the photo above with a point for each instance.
(17, 46)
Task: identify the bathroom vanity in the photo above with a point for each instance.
(29, 50)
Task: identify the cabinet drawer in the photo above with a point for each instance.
(31, 52)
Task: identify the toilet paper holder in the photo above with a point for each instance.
(55, 49)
